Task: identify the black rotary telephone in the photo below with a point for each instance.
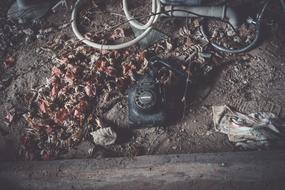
(146, 100)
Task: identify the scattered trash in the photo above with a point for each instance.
(249, 131)
(104, 136)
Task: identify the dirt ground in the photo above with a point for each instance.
(249, 83)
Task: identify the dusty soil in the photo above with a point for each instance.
(250, 82)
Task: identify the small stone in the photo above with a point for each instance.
(208, 133)
(39, 36)
(230, 32)
(38, 50)
(27, 39)
(21, 21)
(196, 23)
(237, 39)
(28, 32)
(215, 33)
(222, 34)
(226, 45)
(169, 46)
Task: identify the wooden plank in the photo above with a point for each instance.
(235, 170)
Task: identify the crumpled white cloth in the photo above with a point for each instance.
(253, 131)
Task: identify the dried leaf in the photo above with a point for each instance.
(140, 57)
(129, 69)
(123, 82)
(70, 77)
(118, 33)
(90, 90)
(111, 71)
(64, 61)
(77, 77)
(43, 106)
(77, 113)
(101, 65)
(56, 71)
(61, 115)
(82, 106)
(9, 117)
(10, 61)
(54, 91)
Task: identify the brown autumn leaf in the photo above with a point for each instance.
(70, 77)
(64, 61)
(128, 69)
(43, 106)
(61, 115)
(140, 57)
(115, 54)
(47, 155)
(24, 139)
(9, 117)
(82, 106)
(110, 71)
(10, 61)
(77, 113)
(118, 33)
(73, 68)
(55, 90)
(101, 65)
(56, 71)
(123, 82)
(90, 90)
(54, 80)
(49, 130)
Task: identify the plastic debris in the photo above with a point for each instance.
(104, 136)
(259, 130)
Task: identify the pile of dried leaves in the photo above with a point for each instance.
(65, 110)
(60, 112)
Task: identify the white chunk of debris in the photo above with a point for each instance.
(104, 136)
(28, 31)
